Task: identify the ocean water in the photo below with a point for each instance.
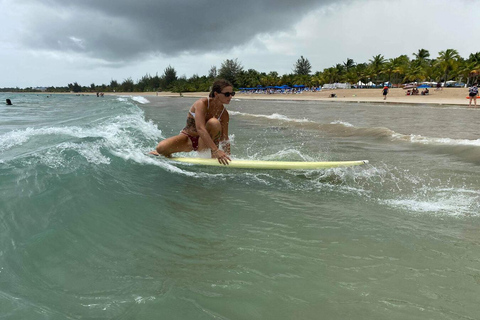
(91, 227)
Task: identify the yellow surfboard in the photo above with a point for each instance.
(272, 165)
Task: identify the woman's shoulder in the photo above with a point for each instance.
(201, 103)
(225, 115)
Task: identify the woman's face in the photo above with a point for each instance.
(226, 95)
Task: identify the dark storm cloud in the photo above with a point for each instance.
(125, 29)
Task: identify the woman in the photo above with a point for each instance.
(207, 126)
(385, 92)
(472, 93)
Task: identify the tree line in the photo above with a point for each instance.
(448, 65)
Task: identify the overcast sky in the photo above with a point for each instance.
(56, 42)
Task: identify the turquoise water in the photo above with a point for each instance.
(92, 227)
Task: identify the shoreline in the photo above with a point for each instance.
(444, 97)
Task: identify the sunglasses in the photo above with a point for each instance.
(228, 94)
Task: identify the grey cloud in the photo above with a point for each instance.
(126, 30)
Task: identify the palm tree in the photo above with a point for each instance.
(397, 67)
(329, 75)
(472, 67)
(447, 60)
(422, 55)
(340, 70)
(349, 64)
(352, 77)
(415, 73)
(389, 67)
(317, 79)
(469, 69)
(361, 71)
(376, 65)
(304, 79)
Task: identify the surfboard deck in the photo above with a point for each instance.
(271, 165)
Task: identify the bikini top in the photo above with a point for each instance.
(208, 106)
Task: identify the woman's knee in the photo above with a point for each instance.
(214, 127)
(214, 124)
(165, 147)
(161, 148)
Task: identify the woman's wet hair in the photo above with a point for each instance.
(218, 86)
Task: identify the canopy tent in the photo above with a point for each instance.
(424, 86)
(337, 85)
(409, 85)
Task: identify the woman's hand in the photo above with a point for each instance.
(221, 156)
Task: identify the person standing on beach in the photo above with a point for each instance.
(385, 92)
(472, 93)
(207, 126)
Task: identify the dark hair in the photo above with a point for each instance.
(9, 102)
(218, 86)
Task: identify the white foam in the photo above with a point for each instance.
(140, 99)
(455, 205)
(56, 157)
(288, 154)
(444, 141)
(19, 137)
(274, 116)
(346, 124)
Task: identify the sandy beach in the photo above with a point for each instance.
(447, 96)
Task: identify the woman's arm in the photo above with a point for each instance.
(200, 121)
(224, 141)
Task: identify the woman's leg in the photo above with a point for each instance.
(178, 143)
(214, 128)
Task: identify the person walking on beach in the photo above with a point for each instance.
(207, 126)
(385, 92)
(472, 93)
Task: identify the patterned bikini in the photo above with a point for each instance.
(191, 126)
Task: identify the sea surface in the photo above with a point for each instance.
(92, 227)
